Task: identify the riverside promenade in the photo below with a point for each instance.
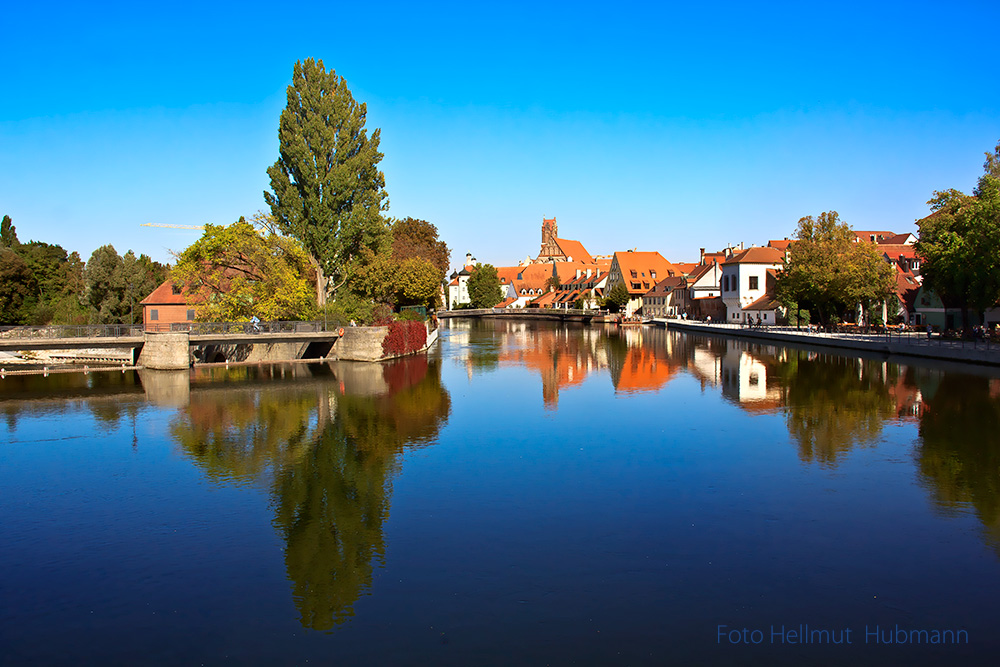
(911, 344)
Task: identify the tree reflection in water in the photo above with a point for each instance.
(959, 451)
(834, 404)
(327, 450)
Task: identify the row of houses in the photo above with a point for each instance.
(735, 284)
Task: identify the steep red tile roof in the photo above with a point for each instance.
(164, 295)
(780, 244)
(895, 251)
(545, 300)
(644, 264)
(667, 285)
(766, 302)
(878, 236)
(575, 250)
(758, 256)
(699, 272)
(686, 268)
(898, 239)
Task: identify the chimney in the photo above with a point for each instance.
(701, 259)
(588, 273)
(741, 245)
(578, 273)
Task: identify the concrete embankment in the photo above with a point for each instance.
(914, 345)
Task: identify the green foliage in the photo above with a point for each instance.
(105, 291)
(417, 281)
(616, 298)
(18, 288)
(580, 303)
(797, 316)
(327, 190)
(234, 273)
(418, 239)
(829, 272)
(113, 285)
(484, 287)
(374, 277)
(348, 307)
(410, 315)
(8, 234)
(958, 243)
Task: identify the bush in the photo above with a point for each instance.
(410, 316)
(404, 337)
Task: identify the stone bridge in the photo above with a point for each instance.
(170, 348)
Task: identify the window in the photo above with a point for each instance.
(753, 282)
(154, 314)
(190, 314)
(725, 283)
(652, 274)
(176, 289)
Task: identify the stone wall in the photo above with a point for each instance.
(166, 351)
(360, 344)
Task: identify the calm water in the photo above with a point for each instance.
(524, 495)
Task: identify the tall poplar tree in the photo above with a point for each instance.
(327, 190)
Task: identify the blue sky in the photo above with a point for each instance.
(653, 125)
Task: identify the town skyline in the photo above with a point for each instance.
(687, 129)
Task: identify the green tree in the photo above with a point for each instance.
(418, 239)
(8, 234)
(417, 281)
(18, 288)
(327, 190)
(958, 243)
(616, 298)
(105, 286)
(829, 271)
(484, 287)
(141, 276)
(375, 277)
(234, 273)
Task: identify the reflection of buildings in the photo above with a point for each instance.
(644, 367)
(749, 380)
(745, 380)
(562, 357)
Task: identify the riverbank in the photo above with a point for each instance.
(908, 344)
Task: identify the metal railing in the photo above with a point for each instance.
(137, 330)
(70, 331)
(243, 328)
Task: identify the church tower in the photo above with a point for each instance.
(549, 246)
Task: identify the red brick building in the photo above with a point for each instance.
(166, 306)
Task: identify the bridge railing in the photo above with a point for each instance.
(243, 328)
(55, 331)
(70, 331)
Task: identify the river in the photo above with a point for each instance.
(524, 494)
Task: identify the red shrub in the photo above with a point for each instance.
(404, 337)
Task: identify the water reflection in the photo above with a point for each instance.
(326, 447)
(959, 454)
(831, 403)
